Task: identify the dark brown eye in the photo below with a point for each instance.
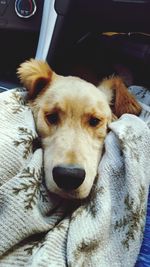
(93, 121)
(53, 118)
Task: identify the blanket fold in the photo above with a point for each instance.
(39, 229)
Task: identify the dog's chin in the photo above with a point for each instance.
(74, 195)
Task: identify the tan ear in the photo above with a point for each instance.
(35, 75)
(121, 101)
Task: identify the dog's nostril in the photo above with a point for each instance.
(68, 177)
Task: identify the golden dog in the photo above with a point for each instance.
(72, 118)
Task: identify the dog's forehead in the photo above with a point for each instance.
(74, 90)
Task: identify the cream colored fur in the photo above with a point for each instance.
(72, 140)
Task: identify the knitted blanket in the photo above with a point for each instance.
(40, 229)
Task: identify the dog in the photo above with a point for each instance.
(72, 118)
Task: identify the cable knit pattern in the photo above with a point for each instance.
(38, 229)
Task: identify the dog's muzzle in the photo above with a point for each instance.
(68, 177)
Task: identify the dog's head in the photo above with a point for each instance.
(72, 118)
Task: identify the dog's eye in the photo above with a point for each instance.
(93, 121)
(53, 118)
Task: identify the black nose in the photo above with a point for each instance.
(68, 177)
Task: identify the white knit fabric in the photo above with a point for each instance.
(38, 229)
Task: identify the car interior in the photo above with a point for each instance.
(89, 39)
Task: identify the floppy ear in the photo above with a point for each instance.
(35, 75)
(119, 98)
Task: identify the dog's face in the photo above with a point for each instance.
(72, 118)
(72, 121)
